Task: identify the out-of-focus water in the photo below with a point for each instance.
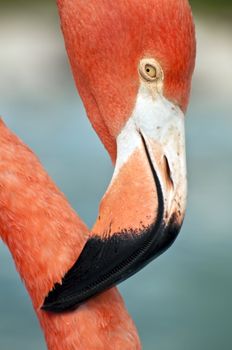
(183, 299)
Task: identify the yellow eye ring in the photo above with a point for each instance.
(150, 70)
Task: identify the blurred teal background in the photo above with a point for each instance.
(183, 299)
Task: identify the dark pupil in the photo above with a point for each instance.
(148, 70)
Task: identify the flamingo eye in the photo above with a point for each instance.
(150, 70)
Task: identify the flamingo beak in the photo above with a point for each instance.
(143, 209)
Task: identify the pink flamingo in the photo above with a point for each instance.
(133, 62)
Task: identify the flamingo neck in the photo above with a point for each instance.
(45, 236)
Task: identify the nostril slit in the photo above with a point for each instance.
(168, 171)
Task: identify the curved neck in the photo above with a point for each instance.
(45, 236)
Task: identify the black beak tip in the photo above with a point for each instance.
(48, 306)
(101, 266)
(53, 307)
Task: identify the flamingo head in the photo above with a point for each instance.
(107, 42)
(132, 61)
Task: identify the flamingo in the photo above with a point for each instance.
(132, 61)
